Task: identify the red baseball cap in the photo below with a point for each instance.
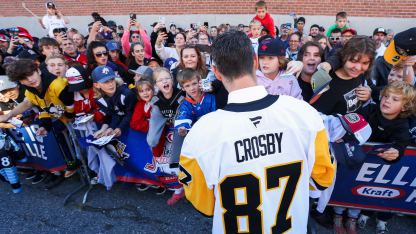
(349, 30)
(4, 38)
(24, 34)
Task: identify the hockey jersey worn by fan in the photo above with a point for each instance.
(80, 58)
(86, 106)
(251, 163)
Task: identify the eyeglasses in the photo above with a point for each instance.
(348, 36)
(26, 39)
(203, 39)
(294, 42)
(164, 79)
(335, 38)
(100, 54)
(132, 37)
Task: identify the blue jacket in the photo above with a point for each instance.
(192, 111)
(120, 107)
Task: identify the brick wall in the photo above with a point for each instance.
(358, 8)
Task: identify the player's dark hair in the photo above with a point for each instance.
(232, 54)
(21, 69)
(303, 49)
(46, 41)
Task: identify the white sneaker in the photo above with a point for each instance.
(94, 181)
(381, 227)
(362, 221)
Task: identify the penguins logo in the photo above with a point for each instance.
(56, 111)
(395, 58)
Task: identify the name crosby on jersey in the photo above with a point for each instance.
(256, 146)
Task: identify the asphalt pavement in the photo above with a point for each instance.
(37, 210)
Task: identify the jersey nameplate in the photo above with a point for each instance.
(256, 147)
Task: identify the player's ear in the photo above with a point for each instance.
(216, 72)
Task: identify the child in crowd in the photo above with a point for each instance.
(255, 28)
(82, 86)
(389, 125)
(165, 110)
(114, 99)
(46, 46)
(348, 90)
(153, 63)
(196, 103)
(340, 23)
(50, 95)
(56, 64)
(397, 73)
(273, 64)
(140, 120)
(141, 71)
(264, 18)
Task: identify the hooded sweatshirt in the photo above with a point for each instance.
(280, 86)
(387, 131)
(268, 22)
(120, 107)
(54, 100)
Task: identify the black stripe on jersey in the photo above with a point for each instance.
(318, 186)
(252, 106)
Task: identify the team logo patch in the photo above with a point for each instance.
(31, 52)
(255, 120)
(395, 59)
(264, 47)
(401, 51)
(352, 118)
(105, 71)
(55, 111)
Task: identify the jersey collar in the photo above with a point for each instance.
(247, 94)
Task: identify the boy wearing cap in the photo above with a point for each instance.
(30, 55)
(153, 63)
(299, 25)
(141, 71)
(82, 86)
(378, 37)
(340, 23)
(389, 124)
(114, 99)
(264, 18)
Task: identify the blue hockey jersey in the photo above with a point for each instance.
(192, 111)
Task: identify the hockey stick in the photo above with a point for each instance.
(24, 6)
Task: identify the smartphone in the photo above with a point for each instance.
(163, 30)
(15, 36)
(292, 14)
(206, 24)
(162, 19)
(132, 16)
(198, 23)
(193, 26)
(288, 25)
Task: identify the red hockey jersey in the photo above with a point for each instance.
(87, 106)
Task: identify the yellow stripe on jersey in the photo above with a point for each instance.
(196, 189)
(324, 169)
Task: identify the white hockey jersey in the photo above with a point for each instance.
(251, 163)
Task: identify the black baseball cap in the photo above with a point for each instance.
(274, 47)
(153, 59)
(50, 4)
(77, 78)
(315, 26)
(349, 153)
(28, 54)
(154, 24)
(301, 19)
(120, 26)
(404, 44)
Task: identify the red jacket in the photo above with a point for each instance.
(87, 106)
(140, 122)
(81, 59)
(268, 22)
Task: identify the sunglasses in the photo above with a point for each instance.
(14, 29)
(138, 37)
(335, 38)
(100, 54)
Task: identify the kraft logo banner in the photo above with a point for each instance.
(378, 185)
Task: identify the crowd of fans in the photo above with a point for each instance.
(127, 77)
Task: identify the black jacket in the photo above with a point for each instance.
(153, 38)
(387, 131)
(120, 107)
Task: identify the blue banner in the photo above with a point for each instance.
(378, 185)
(42, 153)
(141, 166)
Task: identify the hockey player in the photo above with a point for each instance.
(252, 171)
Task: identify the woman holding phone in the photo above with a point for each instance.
(53, 19)
(137, 36)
